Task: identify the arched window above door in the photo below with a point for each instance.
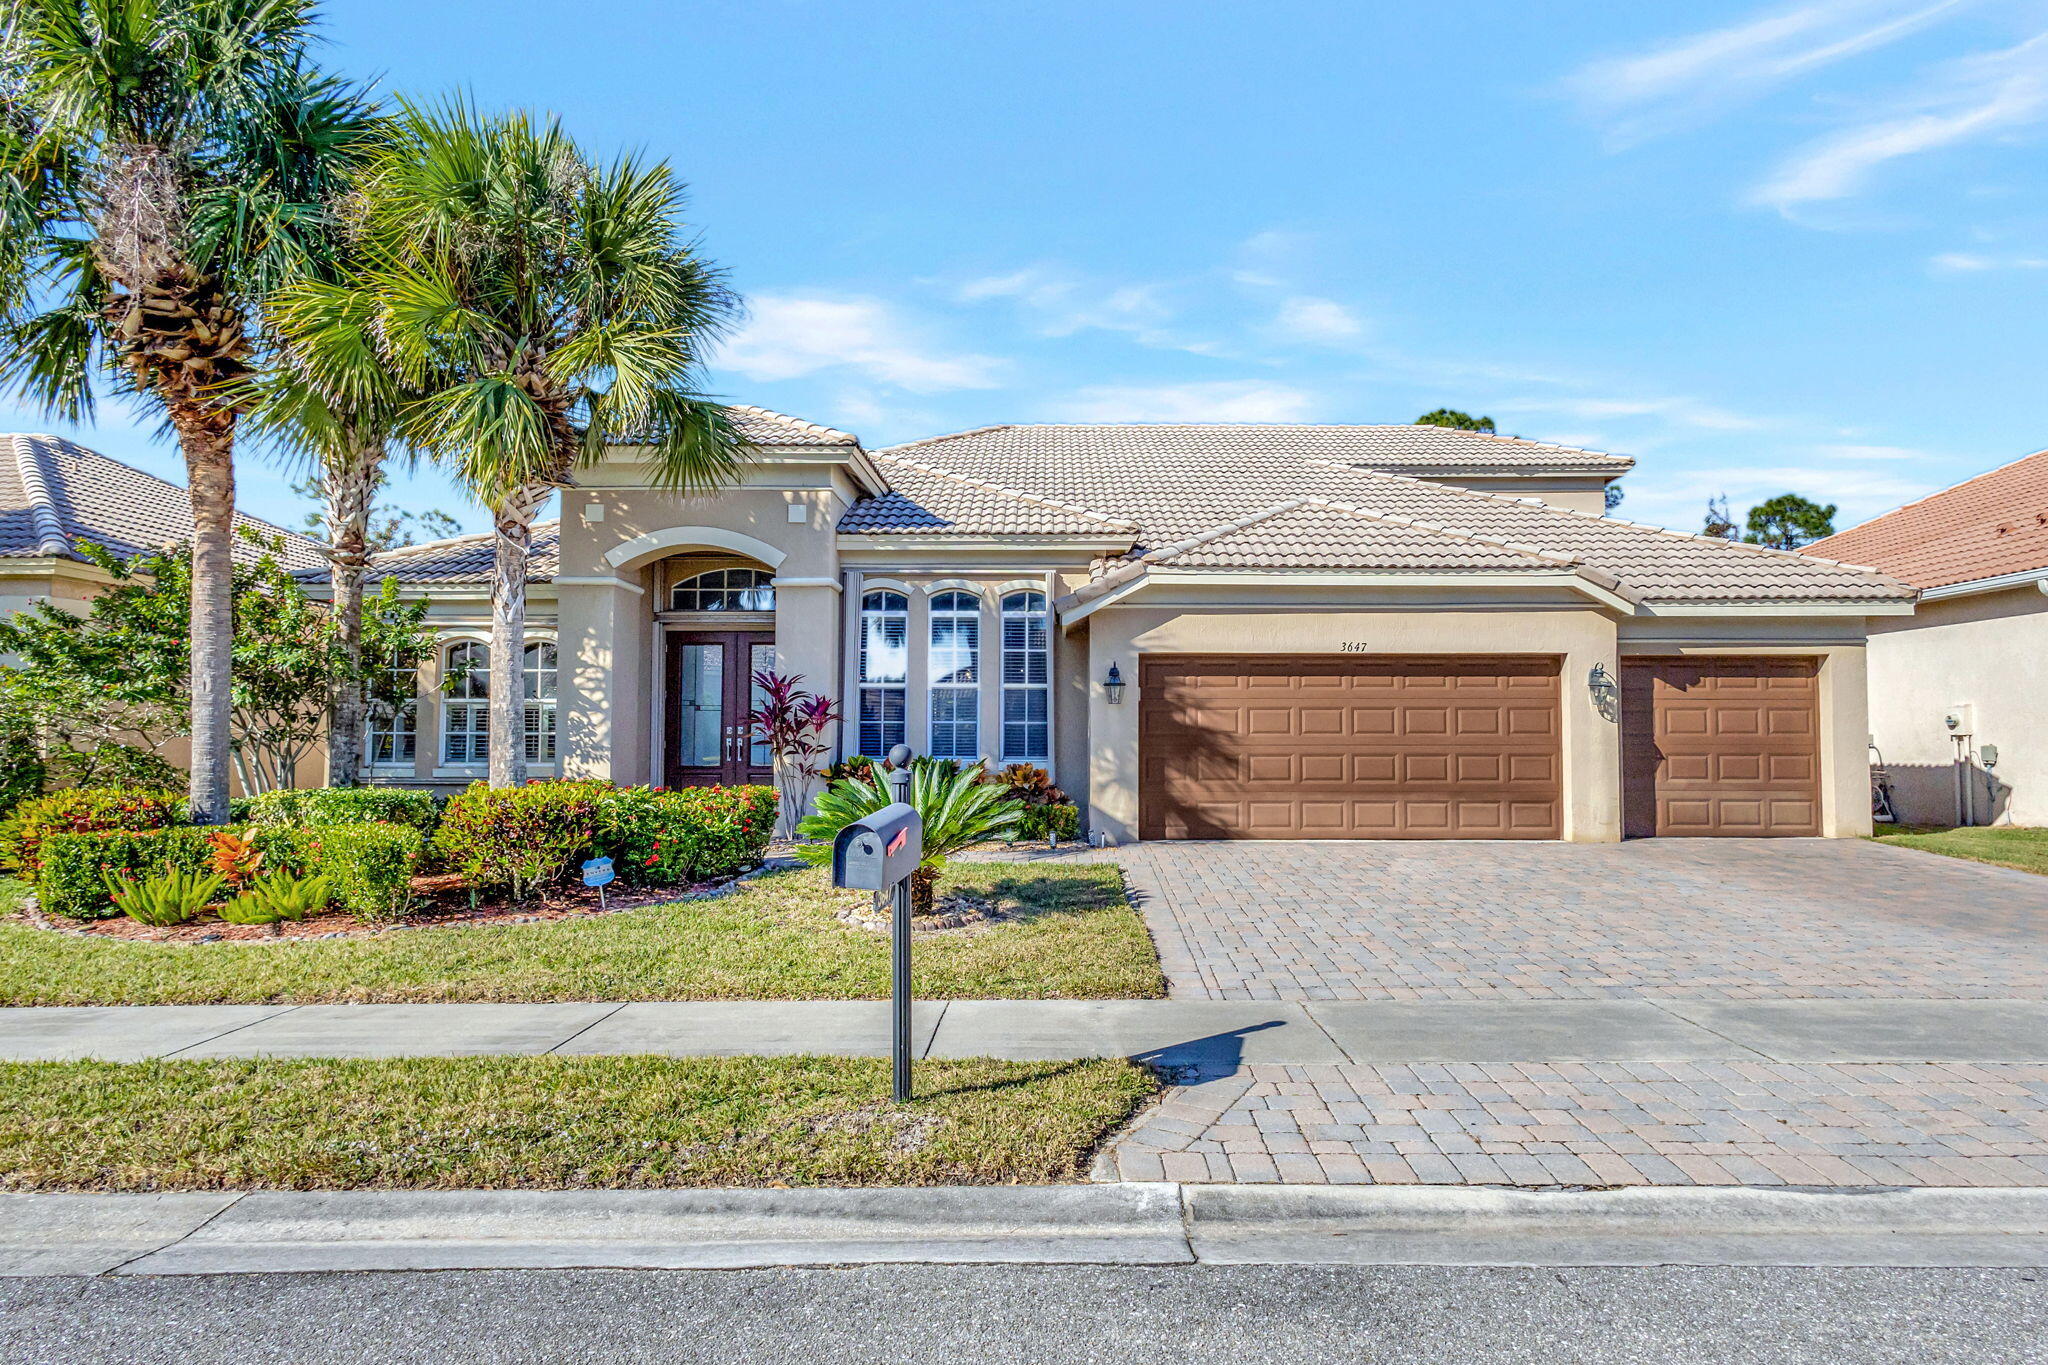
(725, 590)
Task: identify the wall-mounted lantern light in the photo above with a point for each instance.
(1113, 686)
(1605, 691)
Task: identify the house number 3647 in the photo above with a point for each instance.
(1352, 647)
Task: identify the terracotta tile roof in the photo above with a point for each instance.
(55, 493)
(1994, 524)
(1180, 489)
(463, 559)
(765, 428)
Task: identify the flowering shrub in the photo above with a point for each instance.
(668, 838)
(82, 810)
(73, 877)
(519, 836)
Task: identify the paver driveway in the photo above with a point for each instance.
(1703, 919)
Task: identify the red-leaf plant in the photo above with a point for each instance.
(793, 724)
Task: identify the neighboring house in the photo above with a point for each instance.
(1975, 652)
(1314, 632)
(55, 494)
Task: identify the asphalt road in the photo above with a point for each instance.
(957, 1315)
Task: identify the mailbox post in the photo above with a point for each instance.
(878, 853)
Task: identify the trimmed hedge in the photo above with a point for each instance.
(82, 810)
(368, 865)
(72, 881)
(315, 807)
(669, 838)
(518, 836)
(1061, 820)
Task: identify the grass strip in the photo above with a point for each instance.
(1069, 933)
(2012, 846)
(552, 1123)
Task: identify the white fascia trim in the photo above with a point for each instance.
(1881, 608)
(832, 583)
(1571, 582)
(601, 581)
(1997, 583)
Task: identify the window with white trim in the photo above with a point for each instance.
(466, 705)
(956, 675)
(540, 689)
(1027, 678)
(391, 726)
(884, 670)
(724, 590)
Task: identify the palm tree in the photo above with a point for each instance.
(163, 164)
(959, 809)
(542, 306)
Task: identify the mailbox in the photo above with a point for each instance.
(878, 851)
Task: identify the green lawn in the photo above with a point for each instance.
(2008, 846)
(12, 893)
(552, 1123)
(1074, 937)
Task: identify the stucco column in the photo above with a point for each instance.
(807, 634)
(1113, 777)
(602, 695)
(1591, 741)
(1845, 743)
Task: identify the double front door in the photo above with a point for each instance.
(711, 689)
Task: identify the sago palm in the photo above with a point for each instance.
(542, 306)
(959, 810)
(163, 166)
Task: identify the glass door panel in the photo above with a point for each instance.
(700, 710)
(760, 659)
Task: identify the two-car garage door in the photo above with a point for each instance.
(1451, 747)
(1337, 747)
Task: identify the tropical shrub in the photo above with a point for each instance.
(317, 806)
(82, 810)
(519, 836)
(792, 723)
(274, 898)
(668, 838)
(72, 880)
(1051, 823)
(170, 897)
(959, 810)
(1031, 784)
(853, 765)
(237, 859)
(369, 866)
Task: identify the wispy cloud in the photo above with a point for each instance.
(1854, 452)
(1643, 94)
(1679, 498)
(1057, 302)
(789, 336)
(1217, 401)
(1967, 262)
(1323, 321)
(1959, 101)
(1686, 412)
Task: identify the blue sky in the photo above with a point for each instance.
(1757, 247)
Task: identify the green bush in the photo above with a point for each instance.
(669, 838)
(170, 897)
(369, 866)
(286, 849)
(315, 807)
(82, 810)
(273, 898)
(519, 837)
(74, 866)
(1058, 821)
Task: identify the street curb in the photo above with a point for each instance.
(1112, 1224)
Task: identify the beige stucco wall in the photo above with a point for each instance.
(1838, 646)
(1990, 654)
(1290, 623)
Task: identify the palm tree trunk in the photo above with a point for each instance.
(207, 436)
(350, 484)
(512, 524)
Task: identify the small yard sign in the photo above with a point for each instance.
(598, 872)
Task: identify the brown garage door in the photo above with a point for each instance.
(1720, 746)
(1271, 747)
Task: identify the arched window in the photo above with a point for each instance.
(541, 674)
(466, 704)
(884, 669)
(725, 590)
(1027, 677)
(391, 726)
(956, 675)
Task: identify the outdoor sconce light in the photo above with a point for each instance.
(1606, 692)
(1113, 685)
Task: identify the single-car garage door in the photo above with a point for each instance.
(1337, 747)
(1720, 746)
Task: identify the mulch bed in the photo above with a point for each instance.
(439, 901)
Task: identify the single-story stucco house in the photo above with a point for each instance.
(1203, 631)
(1969, 668)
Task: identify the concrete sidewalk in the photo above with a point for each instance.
(1130, 1224)
(1212, 1037)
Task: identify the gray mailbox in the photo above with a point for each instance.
(877, 851)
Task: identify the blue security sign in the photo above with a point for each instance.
(598, 872)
